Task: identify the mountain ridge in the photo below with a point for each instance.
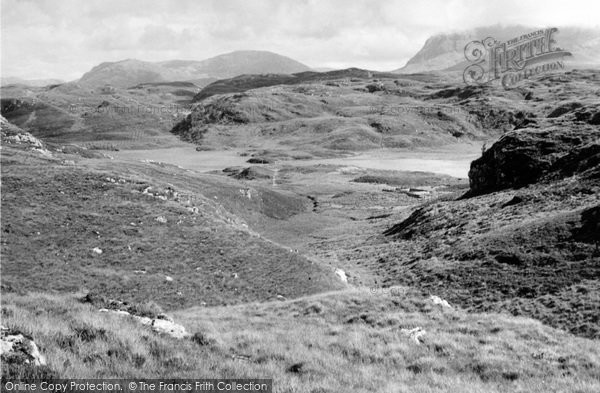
(130, 72)
(445, 51)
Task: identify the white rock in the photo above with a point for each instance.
(97, 250)
(161, 219)
(143, 320)
(29, 347)
(341, 275)
(162, 326)
(439, 301)
(169, 278)
(415, 334)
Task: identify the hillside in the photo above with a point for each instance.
(446, 51)
(243, 83)
(161, 231)
(524, 239)
(358, 337)
(320, 114)
(127, 73)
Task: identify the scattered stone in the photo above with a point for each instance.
(439, 301)
(414, 334)
(162, 324)
(341, 275)
(161, 219)
(246, 192)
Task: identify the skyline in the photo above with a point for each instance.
(63, 39)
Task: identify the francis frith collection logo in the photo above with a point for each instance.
(514, 60)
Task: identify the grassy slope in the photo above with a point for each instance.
(522, 255)
(347, 340)
(53, 215)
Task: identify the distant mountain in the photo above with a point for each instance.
(5, 81)
(132, 72)
(446, 51)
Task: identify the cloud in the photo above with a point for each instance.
(65, 38)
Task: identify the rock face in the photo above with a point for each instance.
(525, 156)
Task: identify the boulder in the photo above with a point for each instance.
(341, 275)
(415, 334)
(439, 301)
(15, 347)
(172, 329)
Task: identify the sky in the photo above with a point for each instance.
(64, 38)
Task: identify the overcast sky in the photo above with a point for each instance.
(65, 38)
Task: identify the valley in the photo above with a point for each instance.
(300, 229)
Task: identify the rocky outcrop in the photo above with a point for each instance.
(525, 156)
(16, 346)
